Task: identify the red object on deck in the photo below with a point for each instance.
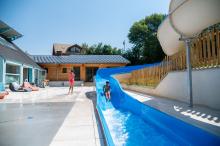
(2, 95)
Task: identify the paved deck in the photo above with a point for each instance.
(202, 117)
(50, 117)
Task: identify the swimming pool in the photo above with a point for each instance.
(128, 122)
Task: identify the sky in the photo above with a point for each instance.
(44, 22)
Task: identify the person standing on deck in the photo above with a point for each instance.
(71, 81)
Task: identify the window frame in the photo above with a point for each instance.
(16, 75)
(74, 50)
(64, 68)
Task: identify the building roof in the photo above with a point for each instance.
(13, 53)
(63, 47)
(7, 32)
(79, 59)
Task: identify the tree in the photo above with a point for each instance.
(133, 55)
(143, 36)
(101, 49)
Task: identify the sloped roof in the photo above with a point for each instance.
(7, 32)
(10, 51)
(63, 47)
(79, 59)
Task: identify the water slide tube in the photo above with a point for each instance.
(178, 131)
(187, 18)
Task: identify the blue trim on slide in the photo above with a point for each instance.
(182, 132)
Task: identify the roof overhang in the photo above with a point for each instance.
(17, 56)
(8, 33)
(80, 59)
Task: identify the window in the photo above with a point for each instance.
(90, 73)
(44, 73)
(12, 73)
(59, 53)
(1, 69)
(64, 70)
(77, 50)
(74, 50)
(12, 69)
(25, 74)
(36, 77)
(42, 76)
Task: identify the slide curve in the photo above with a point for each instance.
(187, 18)
(126, 121)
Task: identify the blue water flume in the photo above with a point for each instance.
(128, 122)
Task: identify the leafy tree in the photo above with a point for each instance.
(101, 49)
(143, 36)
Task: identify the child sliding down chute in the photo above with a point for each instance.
(106, 90)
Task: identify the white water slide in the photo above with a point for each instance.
(186, 18)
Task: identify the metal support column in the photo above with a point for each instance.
(189, 71)
(21, 73)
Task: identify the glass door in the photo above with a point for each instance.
(77, 73)
(25, 74)
(90, 73)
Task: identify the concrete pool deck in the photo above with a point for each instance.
(50, 117)
(199, 116)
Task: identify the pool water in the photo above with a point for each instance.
(130, 130)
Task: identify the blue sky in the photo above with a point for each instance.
(44, 22)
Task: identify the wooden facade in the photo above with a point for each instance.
(67, 57)
(59, 72)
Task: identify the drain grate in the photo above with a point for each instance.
(30, 117)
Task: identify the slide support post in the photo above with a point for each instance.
(189, 71)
